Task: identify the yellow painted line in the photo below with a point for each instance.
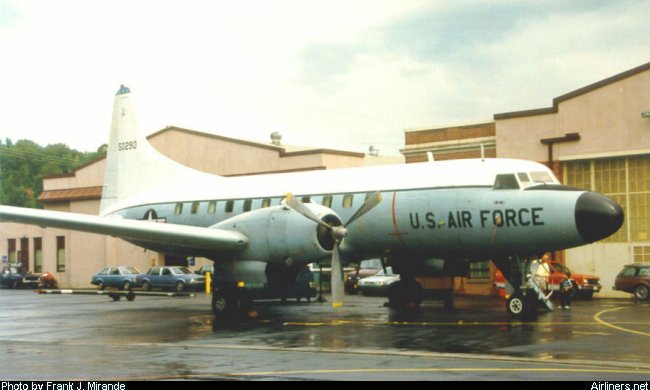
(458, 323)
(435, 369)
(611, 325)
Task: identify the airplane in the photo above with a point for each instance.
(424, 218)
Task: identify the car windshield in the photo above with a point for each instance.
(389, 272)
(370, 263)
(561, 268)
(181, 271)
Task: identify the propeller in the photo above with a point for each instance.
(338, 233)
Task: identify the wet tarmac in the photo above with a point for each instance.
(76, 337)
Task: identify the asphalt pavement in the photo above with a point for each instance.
(77, 337)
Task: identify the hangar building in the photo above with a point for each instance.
(75, 256)
(596, 137)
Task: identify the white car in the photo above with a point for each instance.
(379, 283)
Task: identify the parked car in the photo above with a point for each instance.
(379, 283)
(13, 276)
(172, 277)
(635, 279)
(122, 277)
(584, 285)
(366, 268)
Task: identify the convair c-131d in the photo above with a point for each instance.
(431, 218)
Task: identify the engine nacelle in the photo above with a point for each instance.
(279, 234)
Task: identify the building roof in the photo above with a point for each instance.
(572, 94)
(67, 195)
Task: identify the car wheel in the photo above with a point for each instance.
(130, 296)
(180, 286)
(641, 292)
(100, 286)
(126, 285)
(146, 286)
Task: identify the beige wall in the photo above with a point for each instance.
(89, 176)
(607, 118)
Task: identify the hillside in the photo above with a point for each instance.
(23, 165)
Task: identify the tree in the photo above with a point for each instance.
(24, 164)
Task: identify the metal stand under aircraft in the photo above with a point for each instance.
(526, 296)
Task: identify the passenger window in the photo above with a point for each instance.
(154, 271)
(306, 199)
(166, 271)
(266, 202)
(506, 182)
(212, 207)
(327, 201)
(179, 209)
(248, 203)
(230, 205)
(347, 201)
(115, 271)
(630, 271)
(644, 271)
(195, 207)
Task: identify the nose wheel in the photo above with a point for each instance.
(522, 306)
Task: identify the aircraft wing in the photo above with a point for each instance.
(188, 238)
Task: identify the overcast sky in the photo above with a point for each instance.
(343, 74)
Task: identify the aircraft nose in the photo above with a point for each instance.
(597, 216)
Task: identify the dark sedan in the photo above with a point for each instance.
(12, 276)
(635, 279)
(171, 277)
(123, 278)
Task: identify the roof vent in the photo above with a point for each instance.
(373, 151)
(276, 138)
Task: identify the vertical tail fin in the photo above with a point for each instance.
(132, 164)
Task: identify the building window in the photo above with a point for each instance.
(626, 180)
(347, 201)
(38, 254)
(248, 204)
(479, 271)
(212, 207)
(178, 210)
(327, 201)
(60, 254)
(195, 207)
(641, 254)
(11, 245)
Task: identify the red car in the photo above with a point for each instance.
(584, 285)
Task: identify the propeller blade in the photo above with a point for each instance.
(299, 207)
(372, 201)
(337, 279)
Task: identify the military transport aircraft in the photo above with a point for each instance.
(425, 218)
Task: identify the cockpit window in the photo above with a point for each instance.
(506, 182)
(541, 177)
(523, 177)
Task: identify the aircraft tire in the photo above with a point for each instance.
(405, 294)
(522, 306)
(227, 303)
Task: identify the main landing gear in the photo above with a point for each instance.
(404, 294)
(229, 302)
